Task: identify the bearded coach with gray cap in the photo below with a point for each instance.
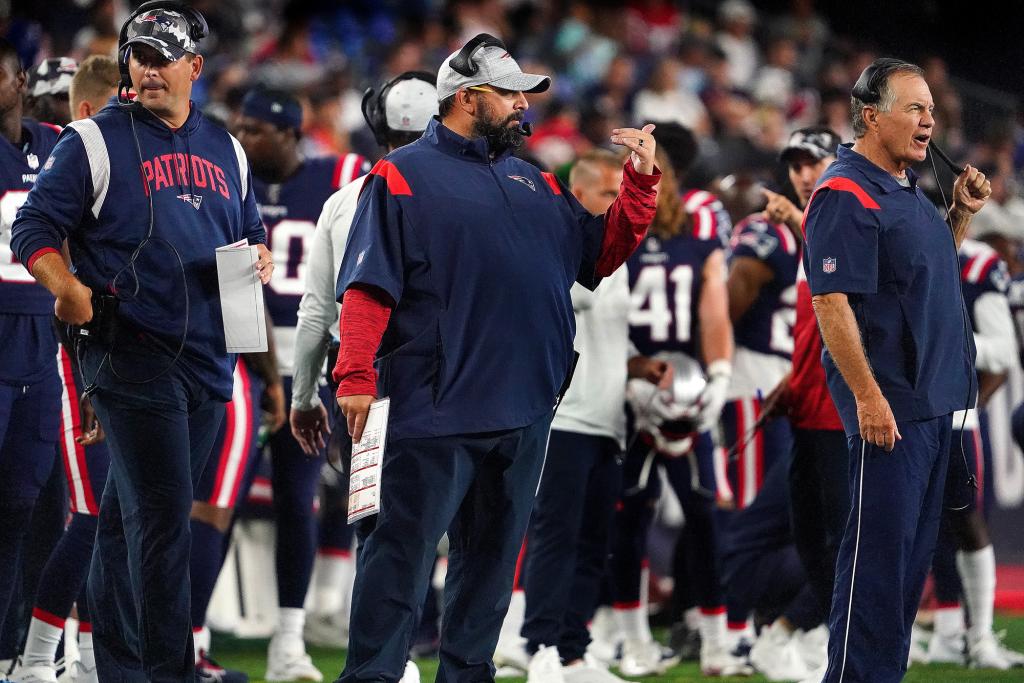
(456, 278)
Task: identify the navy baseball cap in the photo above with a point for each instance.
(165, 30)
(273, 106)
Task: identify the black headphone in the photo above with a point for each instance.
(374, 101)
(197, 30)
(463, 62)
(868, 86)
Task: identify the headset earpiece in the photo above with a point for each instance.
(463, 62)
(373, 103)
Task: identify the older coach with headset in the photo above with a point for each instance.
(144, 193)
(884, 277)
(457, 276)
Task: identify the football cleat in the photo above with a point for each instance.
(38, 673)
(287, 661)
(209, 671)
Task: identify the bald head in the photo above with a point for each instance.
(595, 179)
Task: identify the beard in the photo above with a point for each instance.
(499, 134)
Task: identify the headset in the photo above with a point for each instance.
(197, 30)
(103, 327)
(464, 64)
(374, 101)
(867, 89)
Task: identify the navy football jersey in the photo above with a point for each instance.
(981, 271)
(665, 283)
(19, 165)
(26, 307)
(290, 211)
(767, 326)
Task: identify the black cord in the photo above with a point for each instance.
(971, 479)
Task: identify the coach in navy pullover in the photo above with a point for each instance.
(134, 190)
(456, 276)
(92, 193)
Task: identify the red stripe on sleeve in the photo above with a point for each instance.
(35, 257)
(552, 182)
(847, 185)
(365, 312)
(397, 184)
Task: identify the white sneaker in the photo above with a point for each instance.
(813, 646)
(545, 666)
(716, 660)
(776, 655)
(649, 658)
(919, 639)
(39, 673)
(512, 655)
(605, 636)
(326, 630)
(990, 653)
(816, 676)
(589, 670)
(412, 673)
(946, 650)
(77, 673)
(287, 661)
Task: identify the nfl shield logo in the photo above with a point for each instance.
(828, 265)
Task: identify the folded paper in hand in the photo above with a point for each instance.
(368, 463)
(241, 298)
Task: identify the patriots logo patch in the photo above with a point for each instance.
(193, 199)
(524, 181)
(828, 265)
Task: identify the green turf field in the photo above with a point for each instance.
(250, 656)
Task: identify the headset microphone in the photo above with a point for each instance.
(525, 129)
(957, 170)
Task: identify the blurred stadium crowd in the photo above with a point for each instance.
(740, 78)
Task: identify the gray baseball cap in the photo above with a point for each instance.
(164, 30)
(494, 66)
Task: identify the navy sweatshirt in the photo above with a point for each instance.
(94, 192)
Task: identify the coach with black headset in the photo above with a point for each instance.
(456, 277)
(884, 277)
(144, 193)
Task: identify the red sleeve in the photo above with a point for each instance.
(364, 317)
(628, 218)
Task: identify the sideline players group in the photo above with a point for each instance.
(725, 404)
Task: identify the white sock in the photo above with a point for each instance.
(712, 625)
(949, 622)
(200, 641)
(43, 639)
(290, 621)
(330, 573)
(86, 650)
(978, 575)
(692, 618)
(633, 623)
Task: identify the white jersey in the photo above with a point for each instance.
(594, 403)
(319, 309)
